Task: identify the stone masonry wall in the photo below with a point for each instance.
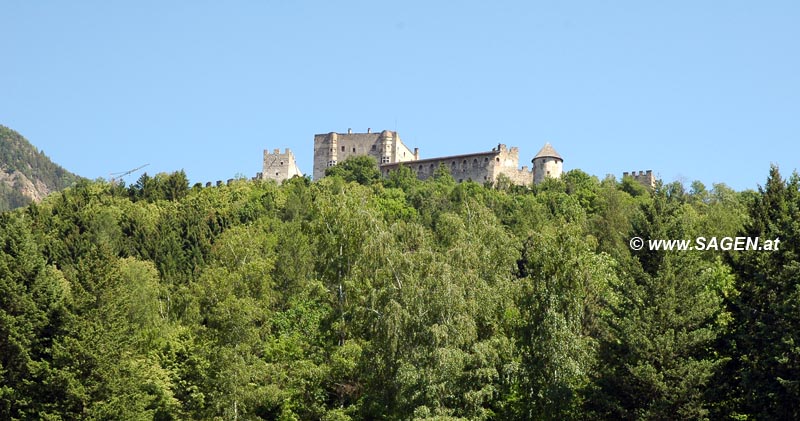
(644, 178)
(389, 152)
(279, 166)
(546, 167)
(333, 148)
(479, 167)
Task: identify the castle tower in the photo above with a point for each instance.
(333, 148)
(279, 166)
(644, 178)
(547, 163)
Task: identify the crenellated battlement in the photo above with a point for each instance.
(279, 166)
(645, 178)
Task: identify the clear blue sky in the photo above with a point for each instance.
(706, 90)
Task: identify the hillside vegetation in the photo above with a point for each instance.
(398, 299)
(26, 173)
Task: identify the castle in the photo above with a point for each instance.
(390, 153)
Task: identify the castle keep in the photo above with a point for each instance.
(332, 148)
(390, 153)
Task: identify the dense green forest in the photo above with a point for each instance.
(356, 297)
(18, 155)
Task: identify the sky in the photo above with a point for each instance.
(693, 90)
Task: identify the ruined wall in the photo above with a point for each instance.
(644, 178)
(507, 163)
(279, 166)
(521, 176)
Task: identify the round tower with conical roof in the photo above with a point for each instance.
(547, 163)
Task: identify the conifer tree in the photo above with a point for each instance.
(765, 371)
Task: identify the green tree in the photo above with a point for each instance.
(765, 371)
(33, 299)
(612, 222)
(656, 347)
(583, 187)
(362, 169)
(403, 177)
(567, 290)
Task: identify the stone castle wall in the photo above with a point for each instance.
(279, 166)
(645, 178)
(384, 147)
(390, 152)
(546, 167)
(479, 167)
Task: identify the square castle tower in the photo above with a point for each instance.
(279, 166)
(332, 148)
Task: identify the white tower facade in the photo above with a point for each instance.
(547, 163)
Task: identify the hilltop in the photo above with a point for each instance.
(360, 297)
(26, 173)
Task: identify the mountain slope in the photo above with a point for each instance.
(26, 173)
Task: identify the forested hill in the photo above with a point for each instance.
(355, 297)
(27, 174)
